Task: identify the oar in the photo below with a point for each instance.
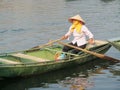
(44, 45)
(102, 56)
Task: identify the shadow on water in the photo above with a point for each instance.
(107, 1)
(70, 0)
(55, 77)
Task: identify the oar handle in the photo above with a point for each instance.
(49, 43)
(102, 56)
(44, 45)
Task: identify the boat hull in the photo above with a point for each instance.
(20, 70)
(116, 44)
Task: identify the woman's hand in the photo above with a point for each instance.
(91, 41)
(64, 37)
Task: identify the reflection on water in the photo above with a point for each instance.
(107, 1)
(76, 83)
(115, 69)
(70, 0)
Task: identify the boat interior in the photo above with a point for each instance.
(42, 55)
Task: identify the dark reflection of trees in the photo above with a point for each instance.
(115, 69)
(107, 1)
(52, 77)
(70, 0)
(115, 72)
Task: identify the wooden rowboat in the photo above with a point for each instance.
(24, 63)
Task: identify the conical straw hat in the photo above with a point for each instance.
(76, 17)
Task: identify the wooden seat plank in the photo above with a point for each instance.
(9, 61)
(33, 58)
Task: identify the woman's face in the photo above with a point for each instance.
(75, 22)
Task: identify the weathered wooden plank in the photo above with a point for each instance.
(33, 58)
(6, 61)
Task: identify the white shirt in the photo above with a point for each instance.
(80, 38)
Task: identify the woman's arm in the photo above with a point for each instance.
(89, 34)
(67, 35)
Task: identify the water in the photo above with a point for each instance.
(27, 23)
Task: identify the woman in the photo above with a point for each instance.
(79, 31)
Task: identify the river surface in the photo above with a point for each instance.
(27, 23)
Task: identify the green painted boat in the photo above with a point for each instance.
(25, 63)
(116, 44)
